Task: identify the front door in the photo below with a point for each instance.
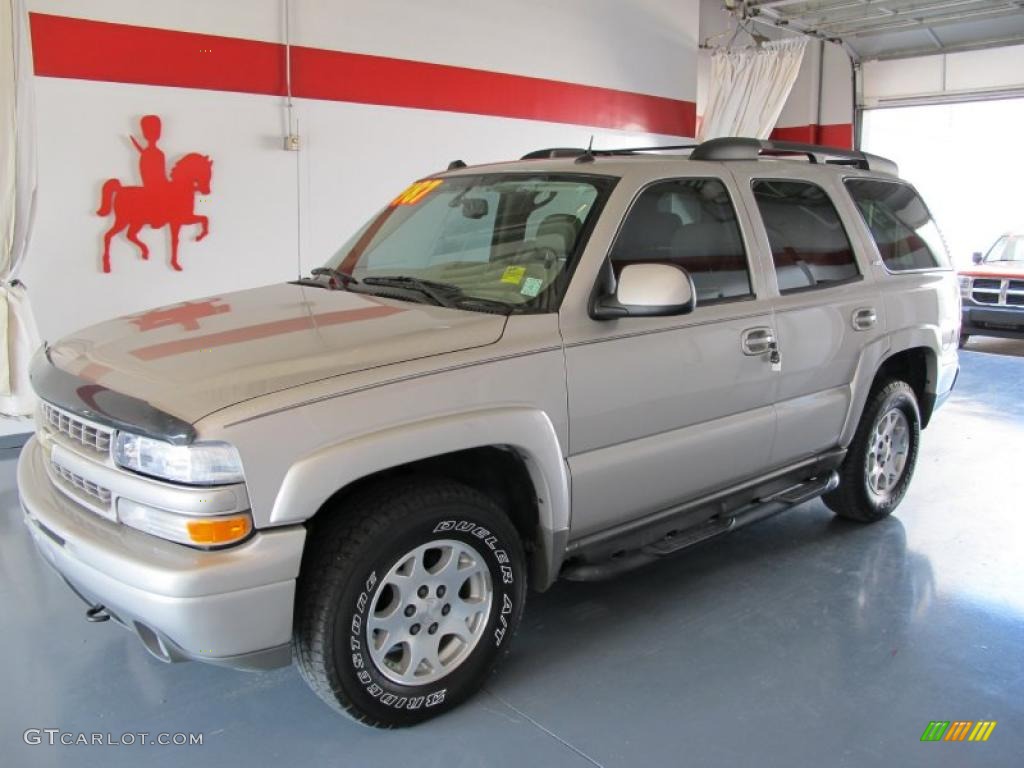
(662, 410)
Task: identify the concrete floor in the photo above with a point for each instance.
(803, 641)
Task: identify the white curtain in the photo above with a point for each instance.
(748, 88)
(18, 334)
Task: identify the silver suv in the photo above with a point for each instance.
(565, 366)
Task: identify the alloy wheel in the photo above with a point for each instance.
(429, 612)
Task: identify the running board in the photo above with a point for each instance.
(678, 541)
(802, 492)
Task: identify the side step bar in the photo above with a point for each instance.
(675, 542)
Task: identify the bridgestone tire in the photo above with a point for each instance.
(349, 558)
(854, 498)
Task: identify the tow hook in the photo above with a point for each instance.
(97, 613)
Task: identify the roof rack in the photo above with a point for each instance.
(552, 152)
(738, 148)
(544, 154)
(752, 149)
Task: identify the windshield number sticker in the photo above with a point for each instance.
(513, 275)
(416, 192)
(531, 287)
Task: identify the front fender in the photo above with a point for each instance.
(316, 477)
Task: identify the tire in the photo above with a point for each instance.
(352, 600)
(870, 487)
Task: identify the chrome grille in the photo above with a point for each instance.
(986, 290)
(85, 433)
(91, 489)
(1015, 293)
(1002, 292)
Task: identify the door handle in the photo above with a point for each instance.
(864, 318)
(758, 341)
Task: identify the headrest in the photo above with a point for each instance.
(560, 225)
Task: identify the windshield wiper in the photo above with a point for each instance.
(345, 277)
(440, 293)
(486, 305)
(311, 282)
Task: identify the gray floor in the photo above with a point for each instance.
(803, 641)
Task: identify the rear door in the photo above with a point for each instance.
(826, 307)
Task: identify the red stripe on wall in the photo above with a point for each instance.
(97, 50)
(339, 76)
(836, 135)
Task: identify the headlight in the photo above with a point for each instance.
(965, 286)
(196, 464)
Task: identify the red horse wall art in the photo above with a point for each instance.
(160, 201)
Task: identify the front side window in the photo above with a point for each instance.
(477, 242)
(900, 224)
(690, 223)
(809, 244)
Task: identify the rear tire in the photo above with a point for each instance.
(878, 468)
(407, 599)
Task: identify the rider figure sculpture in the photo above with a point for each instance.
(152, 165)
(161, 201)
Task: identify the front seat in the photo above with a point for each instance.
(559, 232)
(647, 233)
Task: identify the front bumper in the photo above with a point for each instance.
(231, 607)
(1005, 322)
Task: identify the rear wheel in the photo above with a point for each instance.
(407, 600)
(878, 468)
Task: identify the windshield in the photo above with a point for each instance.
(492, 240)
(1006, 248)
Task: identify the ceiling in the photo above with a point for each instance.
(893, 29)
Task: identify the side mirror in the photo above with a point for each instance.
(648, 290)
(977, 257)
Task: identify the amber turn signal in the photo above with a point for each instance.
(219, 531)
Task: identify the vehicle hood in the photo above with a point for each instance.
(194, 358)
(1012, 269)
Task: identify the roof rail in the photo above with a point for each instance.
(538, 154)
(542, 154)
(738, 148)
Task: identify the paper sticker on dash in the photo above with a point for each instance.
(513, 275)
(531, 287)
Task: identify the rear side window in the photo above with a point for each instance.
(900, 224)
(690, 223)
(809, 244)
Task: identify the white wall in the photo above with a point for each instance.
(266, 203)
(823, 93)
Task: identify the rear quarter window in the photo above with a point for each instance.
(900, 224)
